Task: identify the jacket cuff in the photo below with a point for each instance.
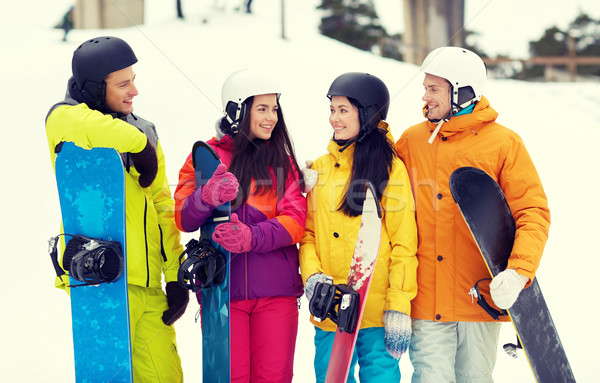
(522, 267)
(170, 276)
(195, 211)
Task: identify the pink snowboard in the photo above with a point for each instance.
(359, 278)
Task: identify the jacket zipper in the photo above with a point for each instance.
(245, 257)
(146, 241)
(162, 246)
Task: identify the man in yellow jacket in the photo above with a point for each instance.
(97, 112)
(454, 339)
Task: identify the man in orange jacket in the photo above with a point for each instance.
(454, 339)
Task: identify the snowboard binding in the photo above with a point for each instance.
(476, 294)
(89, 260)
(511, 348)
(336, 302)
(204, 266)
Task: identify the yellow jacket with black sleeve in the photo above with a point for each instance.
(153, 240)
(329, 239)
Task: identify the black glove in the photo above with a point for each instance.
(146, 164)
(177, 299)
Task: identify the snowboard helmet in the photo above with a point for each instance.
(371, 94)
(463, 69)
(95, 59)
(238, 87)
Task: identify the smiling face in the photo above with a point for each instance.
(263, 116)
(437, 96)
(343, 118)
(120, 90)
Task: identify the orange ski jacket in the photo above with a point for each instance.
(449, 261)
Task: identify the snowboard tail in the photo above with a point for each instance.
(91, 188)
(488, 216)
(359, 278)
(215, 300)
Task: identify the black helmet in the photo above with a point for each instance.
(94, 60)
(371, 94)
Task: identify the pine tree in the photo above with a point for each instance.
(586, 34)
(354, 22)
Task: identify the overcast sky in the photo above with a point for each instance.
(505, 26)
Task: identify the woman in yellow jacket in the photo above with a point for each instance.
(362, 149)
(97, 112)
(454, 339)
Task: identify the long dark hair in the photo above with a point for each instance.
(257, 159)
(372, 161)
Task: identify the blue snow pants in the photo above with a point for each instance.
(376, 365)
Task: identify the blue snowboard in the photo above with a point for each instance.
(91, 188)
(215, 300)
(488, 216)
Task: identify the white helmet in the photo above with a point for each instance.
(243, 84)
(464, 70)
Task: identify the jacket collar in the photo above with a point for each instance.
(73, 97)
(481, 115)
(225, 142)
(346, 156)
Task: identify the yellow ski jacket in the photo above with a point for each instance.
(153, 240)
(328, 243)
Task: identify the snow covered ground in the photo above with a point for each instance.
(182, 65)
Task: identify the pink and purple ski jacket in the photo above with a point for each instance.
(271, 267)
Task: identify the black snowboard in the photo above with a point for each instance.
(486, 212)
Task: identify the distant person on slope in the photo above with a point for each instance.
(454, 339)
(67, 22)
(362, 149)
(261, 177)
(97, 112)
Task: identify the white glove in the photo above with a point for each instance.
(310, 176)
(398, 329)
(311, 282)
(506, 286)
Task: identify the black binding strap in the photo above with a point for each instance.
(475, 293)
(89, 260)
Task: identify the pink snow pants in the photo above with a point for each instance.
(263, 339)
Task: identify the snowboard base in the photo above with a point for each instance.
(215, 300)
(359, 278)
(91, 188)
(487, 214)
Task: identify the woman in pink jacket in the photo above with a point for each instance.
(261, 177)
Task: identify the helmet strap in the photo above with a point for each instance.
(94, 94)
(461, 98)
(234, 113)
(366, 127)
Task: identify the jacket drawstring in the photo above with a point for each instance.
(435, 132)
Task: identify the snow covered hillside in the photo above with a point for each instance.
(182, 65)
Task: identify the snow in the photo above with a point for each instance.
(182, 66)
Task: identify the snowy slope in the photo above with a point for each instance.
(182, 66)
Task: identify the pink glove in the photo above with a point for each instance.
(221, 187)
(234, 235)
